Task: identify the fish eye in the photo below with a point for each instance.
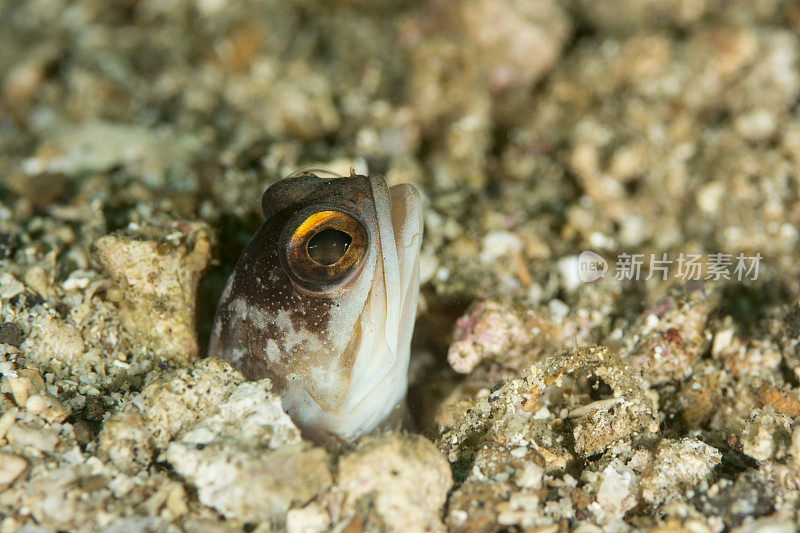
(325, 249)
(328, 246)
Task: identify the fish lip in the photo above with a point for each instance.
(356, 404)
(316, 402)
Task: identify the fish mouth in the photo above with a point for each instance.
(347, 402)
(356, 404)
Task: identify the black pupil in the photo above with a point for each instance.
(328, 246)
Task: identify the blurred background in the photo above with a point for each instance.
(535, 128)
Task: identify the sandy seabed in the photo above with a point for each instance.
(136, 139)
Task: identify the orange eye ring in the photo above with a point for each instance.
(345, 261)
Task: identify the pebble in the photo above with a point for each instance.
(404, 481)
(47, 407)
(22, 435)
(9, 286)
(11, 467)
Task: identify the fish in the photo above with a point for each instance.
(323, 301)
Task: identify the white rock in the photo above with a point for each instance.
(530, 477)
(11, 467)
(402, 480)
(310, 519)
(499, 243)
(9, 286)
(767, 525)
(678, 466)
(616, 494)
(247, 460)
